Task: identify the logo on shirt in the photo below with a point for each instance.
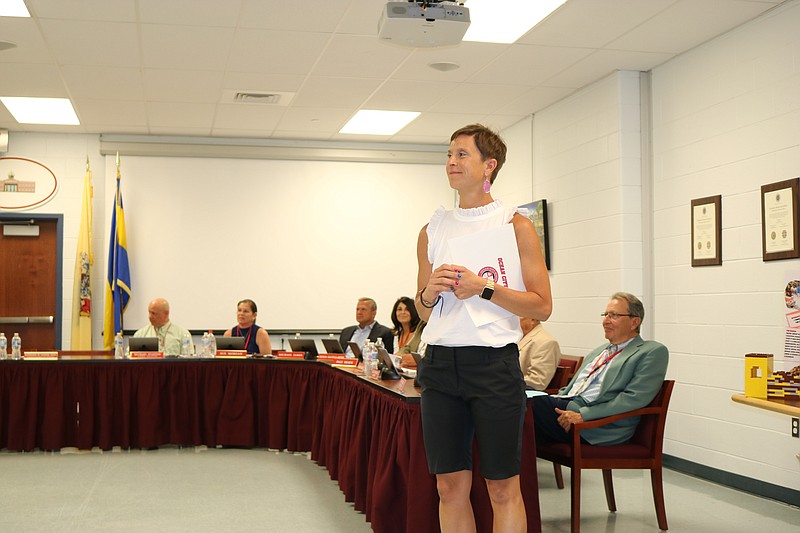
(489, 273)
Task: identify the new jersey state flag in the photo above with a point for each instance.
(81, 336)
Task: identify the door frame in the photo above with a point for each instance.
(59, 218)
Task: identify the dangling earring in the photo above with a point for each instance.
(486, 185)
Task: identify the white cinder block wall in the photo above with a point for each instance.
(586, 164)
(725, 120)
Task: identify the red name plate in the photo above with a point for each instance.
(40, 356)
(232, 354)
(291, 355)
(147, 355)
(339, 359)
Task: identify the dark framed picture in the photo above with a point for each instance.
(537, 212)
(707, 231)
(779, 229)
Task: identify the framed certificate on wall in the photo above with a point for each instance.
(779, 231)
(707, 231)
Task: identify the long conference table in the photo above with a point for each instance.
(367, 433)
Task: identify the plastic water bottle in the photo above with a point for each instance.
(212, 344)
(16, 346)
(119, 346)
(186, 345)
(3, 346)
(370, 354)
(205, 344)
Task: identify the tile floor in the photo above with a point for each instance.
(232, 490)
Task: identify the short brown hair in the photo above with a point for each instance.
(489, 143)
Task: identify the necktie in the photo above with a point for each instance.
(579, 386)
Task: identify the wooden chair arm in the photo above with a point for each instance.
(599, 422)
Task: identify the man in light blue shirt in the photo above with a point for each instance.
(367, 327)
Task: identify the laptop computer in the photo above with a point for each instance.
(417, 358)
(356, 349)
(304, 345)
(332, 346)
(389, 370)
(230, 343)
(143, 344)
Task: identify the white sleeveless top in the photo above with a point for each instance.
(450, 323)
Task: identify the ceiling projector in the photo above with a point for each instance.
(423, 24)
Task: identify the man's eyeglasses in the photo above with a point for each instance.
(613, 316)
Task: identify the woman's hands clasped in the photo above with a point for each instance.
(456, 279)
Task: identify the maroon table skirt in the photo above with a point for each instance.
(369, 438)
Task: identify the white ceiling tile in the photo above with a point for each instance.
(536, 98)
(354, 56)
(262, 81)
(440, 125)
(190, 12)
(361, 18)
(277, 52)
(530, 65)
(311, 119)
(592, 23)
(171, 85)
(104, 83)
(31, 80)
(693, 22)
(31, 46)
(94, 113)
(405, 95)
(164, 114)
(475, 98)
(185, 47)
(106, 10)
(77, 42)
(471, 58)
(252, 117)
(335, 92)
(293, 16)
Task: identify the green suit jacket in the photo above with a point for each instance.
(632, 380)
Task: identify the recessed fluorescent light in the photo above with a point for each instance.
(507, 21)
(41, 110)
(373, 122)
(13, 8)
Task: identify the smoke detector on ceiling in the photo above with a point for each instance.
(423, 24)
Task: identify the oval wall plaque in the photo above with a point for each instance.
(25, 183)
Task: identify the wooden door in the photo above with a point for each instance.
(30, 288)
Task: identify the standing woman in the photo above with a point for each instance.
(256, 337)
(470, 376)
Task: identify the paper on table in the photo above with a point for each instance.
(492, 254)
(531, 393)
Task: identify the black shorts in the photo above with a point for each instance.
(472, 391)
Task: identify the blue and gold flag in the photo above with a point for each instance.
(118, 282)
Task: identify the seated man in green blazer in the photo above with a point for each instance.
(614, 378)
